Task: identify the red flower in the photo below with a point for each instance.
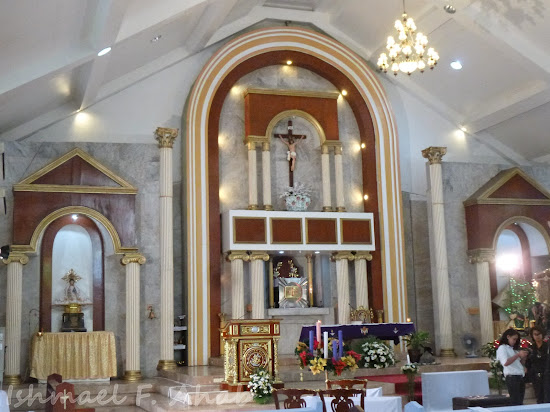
(354, 354)
(338, 366)
(525, 344)
(316, 344)
(303, 357)
(496, 344)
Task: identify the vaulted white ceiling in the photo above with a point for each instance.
(49, 66)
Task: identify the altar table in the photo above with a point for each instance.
(372, 403)
(382, 331)
(74, 355)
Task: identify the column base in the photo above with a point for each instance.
(12, 379)
(132, 376)
(268, 207)
(327, 209)
(447, 353)
(340, 209)
(166, 365)
(252, 207)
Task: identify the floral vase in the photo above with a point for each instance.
(297, 202)
(410, 385)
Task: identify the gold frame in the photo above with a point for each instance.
(356, 220)
(251, 242)
(271, 219)
(335, 220)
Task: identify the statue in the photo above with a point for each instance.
(73, 294)
(291, 153)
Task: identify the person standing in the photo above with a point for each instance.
(537, 362)
(512, 358)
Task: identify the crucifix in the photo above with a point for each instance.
(291, 153)
(64, 398)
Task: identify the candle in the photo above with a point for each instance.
(325, 345)
(408, 359)
(335, 349)
(318, 330)
(340, 344)
(311, 341)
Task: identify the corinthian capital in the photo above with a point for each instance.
(434, 154)
(133, 258)
(16, 257)
(481, 255)
(166, 136)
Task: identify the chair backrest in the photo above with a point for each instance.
(342, 399)
(346, 383)
(293, 398)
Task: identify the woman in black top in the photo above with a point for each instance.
(537, 362)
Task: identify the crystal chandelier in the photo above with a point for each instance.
(408, 53)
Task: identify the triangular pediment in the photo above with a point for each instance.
(76, 172)
(511, 186)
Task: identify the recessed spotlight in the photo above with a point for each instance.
(156, 38)
(344, 92)
(317, 252)
(289, 62)
(363, 145)
(456, 65)
(75, 217)
(463, 129)
(104, 51)
(281, 251)
(366, 197)
(449, 8)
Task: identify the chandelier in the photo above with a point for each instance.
(409, 52)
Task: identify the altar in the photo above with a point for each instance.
(382, 331)
(74, 355)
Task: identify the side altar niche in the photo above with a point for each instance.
(248, 345)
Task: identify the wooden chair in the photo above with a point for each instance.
(346, 383)
(342, 401)
(293, 398)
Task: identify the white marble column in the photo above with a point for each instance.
(325, 172)
(14, 298)
(309, 259)
(339, 179)
(342, 285)
(481, 258)
(443, 307)
(257, 283)
(252, 176)
(132, 261)
(237, 257)
(166, 137)
(361, 279)
(266, 175)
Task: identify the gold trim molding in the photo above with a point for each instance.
(434, 154)
(28, 185)
(481, 255)
(12, 380)
(363, 255)
(238, 254)
(298, 113)
(447, 353)
(259, 256)
(133, 258)
(295, 93)
(166, 136)
(132, 376)
(166, 365)
(343, 255)
(16, 257)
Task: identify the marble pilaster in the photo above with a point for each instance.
(257, 283)
(325, 168)
(342, 284)
(481, 258)
(237, 257)
(132, 261)
(165, 138)
(252, 177)
(444, 326)
(339, 179)
(361, 279)
(266, 175)
(14, 299)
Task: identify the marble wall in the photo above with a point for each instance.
(137, 163)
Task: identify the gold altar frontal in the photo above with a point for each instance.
(249, 344)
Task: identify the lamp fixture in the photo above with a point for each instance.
(455, 64)
(104, 51)
(409, 52)
(4, 252)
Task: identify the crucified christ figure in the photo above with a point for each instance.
(291, 144)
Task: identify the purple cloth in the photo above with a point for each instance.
(383, 331)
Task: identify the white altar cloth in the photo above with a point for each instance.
(372, 403)
(4, 402)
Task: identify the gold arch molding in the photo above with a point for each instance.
(521, 219)
(69, 210)
(298, 113)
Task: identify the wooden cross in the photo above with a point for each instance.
(291, 153)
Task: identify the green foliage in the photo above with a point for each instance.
(519, 297)
(417, 340)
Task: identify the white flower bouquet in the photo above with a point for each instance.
(261, 385)
(299, 189)
(409, 369)
(377, 354)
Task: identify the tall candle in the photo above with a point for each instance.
(311, 340)
(325, 345)
(335, 349)
(318, 330)
(408, 359)
(340, 344)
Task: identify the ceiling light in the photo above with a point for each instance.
(317, 252)
(344, 92)
(4, 252)
(409, 52)
(104, 51)
(289, 62)
(456, 65)
(281, 251)
(75, 217)
(449, 8)
(156, 38)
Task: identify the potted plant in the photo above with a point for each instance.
(415, 344)
(297, 197)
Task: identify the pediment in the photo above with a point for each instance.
(511, 186)
(76, 172)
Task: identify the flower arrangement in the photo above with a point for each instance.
(409, 369)
(525, 344)
(317, 363)
(261, 385)
(297, 190)
(297, 197)
(377, 354)
(490, 350)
